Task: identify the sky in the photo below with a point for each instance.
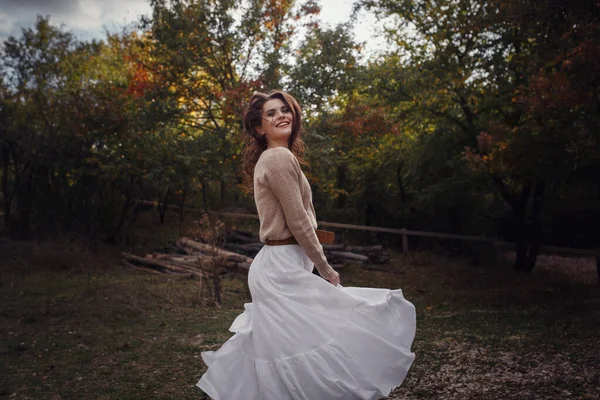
(89, 19)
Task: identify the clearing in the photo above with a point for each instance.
(74, 325)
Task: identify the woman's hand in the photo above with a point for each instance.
(327, 272)
(334, 279)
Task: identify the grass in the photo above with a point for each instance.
(78, 325)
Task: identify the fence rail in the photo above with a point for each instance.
(405, 233)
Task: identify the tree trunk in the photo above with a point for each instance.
(182, 203)
(25, 204)
(528, 238)
(162, 205)
(204, 195)
(520, 243)
(340, 201)
(222, 199)
(369, 199)
(519, 208)
(536, 225)
(123, 218)
(400, 183)
(369, 211)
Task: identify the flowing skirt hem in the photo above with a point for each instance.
(368, 358)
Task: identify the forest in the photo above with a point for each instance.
(480, 118)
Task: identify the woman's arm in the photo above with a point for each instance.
(284, 176)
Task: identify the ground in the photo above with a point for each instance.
(79, 325)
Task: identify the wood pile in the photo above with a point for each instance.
(195, 259)
(192, 258)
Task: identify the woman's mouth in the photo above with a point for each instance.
(282, 124)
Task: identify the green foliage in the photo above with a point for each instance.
(325, 68)
(498, 74)
(478, 116)
(78, 127)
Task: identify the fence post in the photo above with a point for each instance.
(404, 242)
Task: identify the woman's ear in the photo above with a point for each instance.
(259, 130)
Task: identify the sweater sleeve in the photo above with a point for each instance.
(284, 175)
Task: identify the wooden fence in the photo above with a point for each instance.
(406, 233)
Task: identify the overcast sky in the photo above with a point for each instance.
(88, 19)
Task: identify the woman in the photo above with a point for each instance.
(302, 337)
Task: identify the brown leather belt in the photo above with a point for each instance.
(323, 236)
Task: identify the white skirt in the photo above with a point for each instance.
(303, 338)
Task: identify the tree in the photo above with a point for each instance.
(325, 68)
(213, 61)
(79, 120)
(477, 64)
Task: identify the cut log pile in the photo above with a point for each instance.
(192, 258)
(196, 259)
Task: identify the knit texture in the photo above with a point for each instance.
(284, 202)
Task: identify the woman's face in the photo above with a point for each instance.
(276, 122)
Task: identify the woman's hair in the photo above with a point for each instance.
(256, 143)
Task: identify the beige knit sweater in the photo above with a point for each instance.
(284, 202)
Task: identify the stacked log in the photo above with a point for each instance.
(197, 259)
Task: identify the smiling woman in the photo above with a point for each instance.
(264, 113)
(277, 123)
(303, 337)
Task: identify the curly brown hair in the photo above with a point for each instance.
(256, 143)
